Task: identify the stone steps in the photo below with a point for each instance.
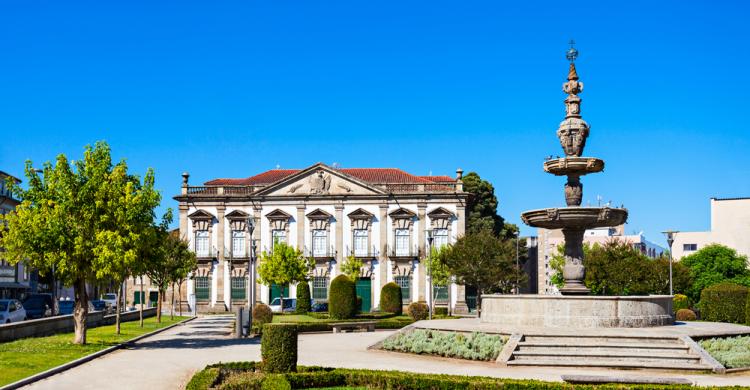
(627, 352)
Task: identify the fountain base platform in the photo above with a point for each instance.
(577, 311)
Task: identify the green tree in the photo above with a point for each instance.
(556, 264)
(352, 267)
(484, 261)
(482, 208)
(66, 217)
(714, 264)
(439, 273)
(283, 266)
(181, 261)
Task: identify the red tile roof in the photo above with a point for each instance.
(368, 175)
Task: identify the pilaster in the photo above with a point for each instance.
(301, 226)
(254, 286)
(339, 206)
(421, 279)
(382, 253)
(221, 267)
(183, 210)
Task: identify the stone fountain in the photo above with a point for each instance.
(575, 308)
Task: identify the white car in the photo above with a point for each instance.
(290, 304)
(11, 310)
(110, 299)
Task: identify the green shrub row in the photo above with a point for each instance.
(473, 346)
(278, 347)
(317, 377)
(724, 302)
(732, 352)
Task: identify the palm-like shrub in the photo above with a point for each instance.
(418, 311)
(390, 298)
(342, 298)
(303, 298)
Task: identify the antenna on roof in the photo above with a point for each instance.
(278, 166)
(336, 165)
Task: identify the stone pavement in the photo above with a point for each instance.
(169, 359)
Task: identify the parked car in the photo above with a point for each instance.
(67, 307)
(319, 306)
(99, 305)
(11, 310)
(290, 304)
(110, 299)
(39, 305)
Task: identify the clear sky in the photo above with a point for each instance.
(229, 89)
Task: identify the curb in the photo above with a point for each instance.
(85, 359)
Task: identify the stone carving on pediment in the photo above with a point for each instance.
(294, 188)
(320, 183)
(344, 187)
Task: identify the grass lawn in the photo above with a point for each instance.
(25, 357)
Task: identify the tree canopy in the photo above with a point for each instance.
(352, 267)
(482, 208)
(713, 264)
(284, 265)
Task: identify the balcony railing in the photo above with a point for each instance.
(363, 253)
(405, 187)
(328, 253)
(210, 254)
(412, 252)
(209, 191)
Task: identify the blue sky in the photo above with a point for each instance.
(229, 89)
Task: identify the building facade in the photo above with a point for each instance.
(382, 216)
(15, 279)
(730, 226)
(548, 241)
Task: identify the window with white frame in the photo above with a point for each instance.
(319, 242)
(238, 243)
(440, 238)
(402, 242)
(360, 242)
(201, 243)
(405, 283)
(278, 235)
(320, 288)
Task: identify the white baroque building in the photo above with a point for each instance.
(382, 216)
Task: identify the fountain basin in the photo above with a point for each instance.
(574, 166)
(577, 311)
(575, 217)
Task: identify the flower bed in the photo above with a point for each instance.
(472, 346)
(732, 352)
(248, 375)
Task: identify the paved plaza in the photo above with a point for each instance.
(169, 359)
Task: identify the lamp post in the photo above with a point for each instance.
(251, 275)
(670, 240)
(429, 269)
(518, 237)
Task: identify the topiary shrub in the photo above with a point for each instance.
(342, 298)
(418, 311)
(390, 298)
(262, 315)
(441, 311)
(278, 348)
(724, 302)
(304, 303)
(685, 315)
(680, 301)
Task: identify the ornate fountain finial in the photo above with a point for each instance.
(572, 53)
(573, 131)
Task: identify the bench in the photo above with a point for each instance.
(340, 327)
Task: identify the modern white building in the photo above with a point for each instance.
(548, 241)
(379, 215)
(730, 226)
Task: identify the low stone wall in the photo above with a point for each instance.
(572, 311)
(61, 324)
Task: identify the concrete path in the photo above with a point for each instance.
(168, 360)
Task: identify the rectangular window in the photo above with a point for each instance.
(202, 288)
(360, 242)
(440, 293)
(278, 236)
(239, 287)
(402, 242)
(319, 242)
(440, 238)
(405, 283)
(201, 243)
(320, 288)
(238, 243)
(689, 247)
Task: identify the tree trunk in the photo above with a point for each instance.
(117, 308)
(158, 306)
(143, 298)
(179, 298)
(81, 311)
(171, 310)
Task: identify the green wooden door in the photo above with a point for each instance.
(276, 292)
(138, 297)
(153, 298)
(364, 290)
(471, 298)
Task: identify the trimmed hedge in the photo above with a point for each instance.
(680, 301)
(685, 315)
(304, 302)
(342, 298)
(318, 377)
(262, 315)
(724, 302)
(390, 298)
(418, 311)
(278, 348)
(441, 311)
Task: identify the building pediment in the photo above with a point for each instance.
(440, 213)
(318, 214)
(237, 214)
(360, 214)
(402, 213)
(320, 180)
(200, 214)
(278, 215)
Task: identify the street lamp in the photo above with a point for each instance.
(670, 240)
(518, 237)
(429, 269)
(251, 273)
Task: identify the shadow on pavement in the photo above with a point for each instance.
(192, 343)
